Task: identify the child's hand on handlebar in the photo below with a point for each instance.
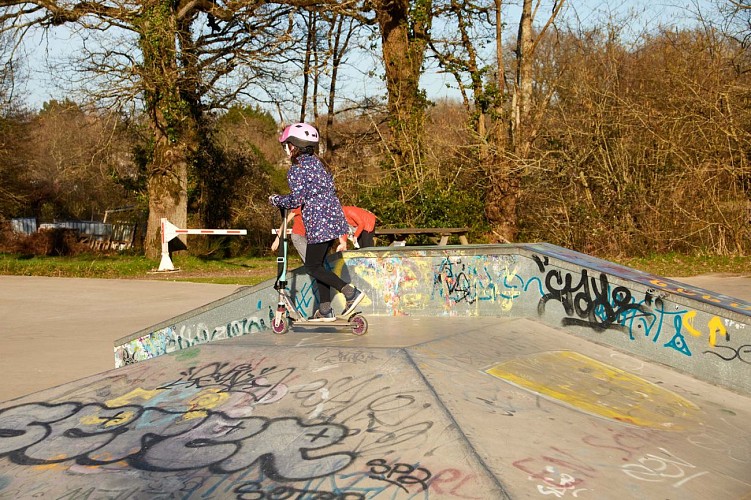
(342, 246)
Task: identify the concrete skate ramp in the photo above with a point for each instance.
(420, 407)
(695, 331)
(515, 371)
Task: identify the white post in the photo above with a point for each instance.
(170, 231)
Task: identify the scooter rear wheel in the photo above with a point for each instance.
(359, 325)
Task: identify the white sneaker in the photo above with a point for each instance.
(319, 316)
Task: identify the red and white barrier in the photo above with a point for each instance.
(170, 232)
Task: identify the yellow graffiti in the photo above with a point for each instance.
(394, 284)
(715, 326)
(118, 419)
(507, 304)
(599, 389)
(508, 295)
(52, 466)
(688, 323)
(683, 291)
(135, 394)
(711, 299)
(210, 398)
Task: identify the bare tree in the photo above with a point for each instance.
(404, 27)
(468, 27)
(13, 130)
(340, 33)
(515, 109)
(177, 59)
(75, 160)
(505, 173)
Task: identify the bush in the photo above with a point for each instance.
(434, 206)
(50, 242)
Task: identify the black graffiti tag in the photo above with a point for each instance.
(399, 474)
(591, 301)
(154, 439)
(456, 286)
(380, 416)
(244, 377)
(333, 356)
(730, 353)
(254, 490)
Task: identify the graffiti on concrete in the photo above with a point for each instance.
(591, 302)
(173, 338)
(730, 353)
(384, 416)
(456, 285)
(399, 474)
(453, 284)
(352, 356)
(243, 427)
(155, 439)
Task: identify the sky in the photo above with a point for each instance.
(43, 84)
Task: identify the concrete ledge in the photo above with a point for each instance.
(689, 329)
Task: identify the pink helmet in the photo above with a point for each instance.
(300, 135)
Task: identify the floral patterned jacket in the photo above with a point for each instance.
(312, 188)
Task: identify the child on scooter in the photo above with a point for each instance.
(312, 188)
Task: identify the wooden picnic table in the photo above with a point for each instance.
(397, 236)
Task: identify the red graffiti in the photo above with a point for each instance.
(450, 478)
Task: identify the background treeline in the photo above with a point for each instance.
(590, 138)
(67, 163)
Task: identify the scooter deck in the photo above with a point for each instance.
(321, 324)
(340, 321)
(354, 321)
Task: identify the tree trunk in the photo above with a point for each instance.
(523, 87)
(173, 124)
(504, 189)
(500, 135)
(338, 48)
(307, 69)
(504, 184)
(404, 36)
(168, 186)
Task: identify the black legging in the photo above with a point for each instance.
(315, 255)
(365, 239)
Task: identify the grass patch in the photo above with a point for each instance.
(236, 271)
(251, 271)
(678, 265)
(79, 266)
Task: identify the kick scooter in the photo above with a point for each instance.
(287, 316)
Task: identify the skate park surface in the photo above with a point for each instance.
(473, 381)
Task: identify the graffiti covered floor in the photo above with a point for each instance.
(476, 408)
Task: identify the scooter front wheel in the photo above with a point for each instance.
(280, 326)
